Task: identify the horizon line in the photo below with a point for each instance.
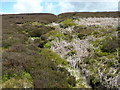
(60, 13)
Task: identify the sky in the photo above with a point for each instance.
(56, 6)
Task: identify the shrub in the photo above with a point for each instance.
(71, 53)
(40, 31)
(15, 39)
(81, 36)
(42, 67)
(72, 81)
(100, 53)
(110, 44)
(7, 43)
(83, 31)
(17, 48)
(44, 37)
(41, 44)
(97, 43)
(36, 31)
(68, 36)
(22, 56)
(69, 47)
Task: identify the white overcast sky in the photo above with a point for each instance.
(57, 6)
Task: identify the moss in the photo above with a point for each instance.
(59, 35)
(67, 23)
(96, 34)
(55, 34)
(107, 31)
(111, 56)
(51, 33)
(53, 56)
(36, 24)
(95, 80)
(110, 63)
(17, 81)
(99, 53)
(48, 45)
(106, 71)
(92, 61)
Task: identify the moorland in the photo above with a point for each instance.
(69, 50)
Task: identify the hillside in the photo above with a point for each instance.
(69, 50)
